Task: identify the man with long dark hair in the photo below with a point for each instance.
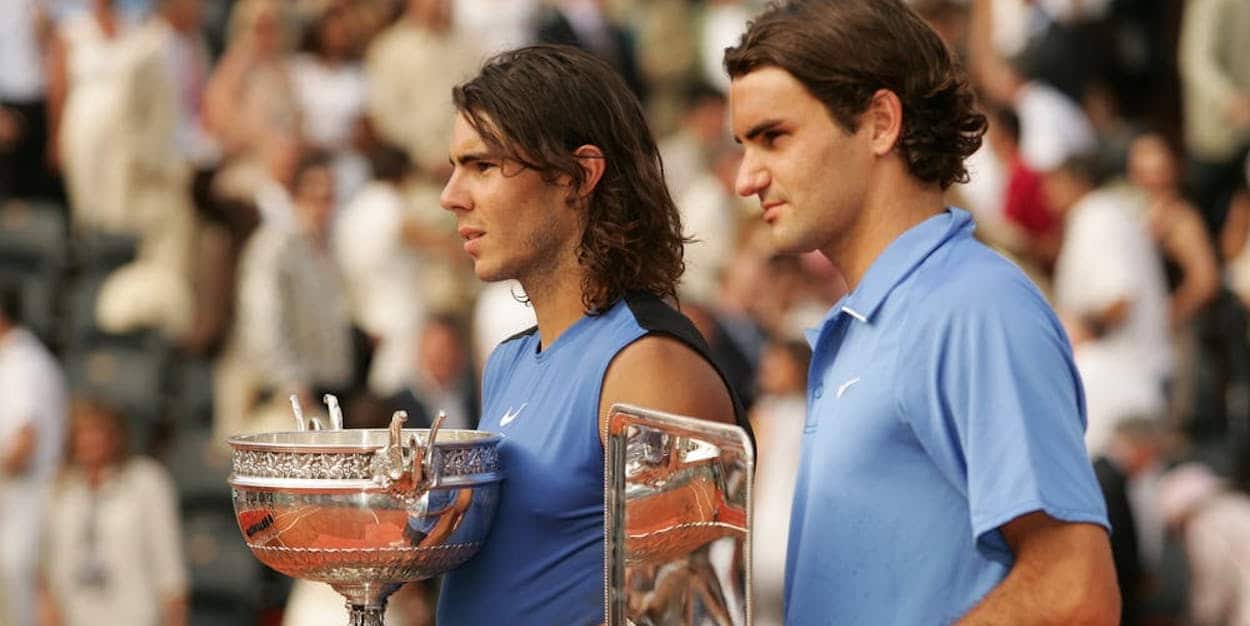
(557, 183)
(943, 478)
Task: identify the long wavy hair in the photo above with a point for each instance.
(538, 104)
(843, 51)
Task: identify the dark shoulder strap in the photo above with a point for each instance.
(656, 317)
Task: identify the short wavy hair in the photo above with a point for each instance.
(538, 104)
(843, 51)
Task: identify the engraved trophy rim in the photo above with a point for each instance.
(352, 440)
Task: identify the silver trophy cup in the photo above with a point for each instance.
(365, 510)
(678, 512)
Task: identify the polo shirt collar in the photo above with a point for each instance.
(899, 259)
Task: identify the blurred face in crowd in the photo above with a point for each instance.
(1063, 190)
(707, 119)
(441, 354)
(267, 31)
(314, 199)
(809, 174)
(780, 373)
(435, 14)
(184, 15)
(334, 35)
(93, 442)
(1151, 164)
(513, 222)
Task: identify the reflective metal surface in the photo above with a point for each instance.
(678, 511)
(365, 510)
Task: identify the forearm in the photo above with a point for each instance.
(1063, 575)
(175, 611)
(16, 457)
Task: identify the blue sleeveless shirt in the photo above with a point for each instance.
(543, 562)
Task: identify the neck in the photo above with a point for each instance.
(890, 208)
(557, 300)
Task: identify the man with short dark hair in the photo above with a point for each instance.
(942, 477)
(557, 184)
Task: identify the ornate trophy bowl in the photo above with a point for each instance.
(365, 510)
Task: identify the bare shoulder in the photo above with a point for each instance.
(661, 372)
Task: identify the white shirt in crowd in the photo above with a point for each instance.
(383, 281)
(497, 316)
(779, 433)
(1217, 543)
(21, 75)
(497, 25)
(32, 391)
(293, 324)
(331, 99)
(1052, 127)
(114, 556)
(1108, 255)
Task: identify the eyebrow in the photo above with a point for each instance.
(469, 158)
(759, 129)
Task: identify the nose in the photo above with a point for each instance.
(752, 179)
(454, 197)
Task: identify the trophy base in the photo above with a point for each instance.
(360, 615)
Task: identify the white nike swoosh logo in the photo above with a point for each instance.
(846, 385)
(510, 415)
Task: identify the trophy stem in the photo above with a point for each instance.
(361, 615)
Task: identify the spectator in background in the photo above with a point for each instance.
(1214, 524)
(250, 97)
(331, 89)
(1024, 204)
(86, 62)
(590, 25)
(500, 311)
(777, 420)
(24, 29)
(1132, 457)
(1114, 306)
(32, 424)
(720, 25)
(689, 151)
(411, 69)
(497, 25)
(444, 378)
(1177, 227)
(113, 555)
(1052, 126)
(710, 214)
(292, 332)
(1215, 76)
(164, 143)
(382, 272)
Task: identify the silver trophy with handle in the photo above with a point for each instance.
(364, 510)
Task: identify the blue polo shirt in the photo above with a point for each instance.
(943, 402)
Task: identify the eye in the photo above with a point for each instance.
(483, 166)
(770, 138)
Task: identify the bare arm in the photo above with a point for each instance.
(662, 373)
(16, 459)
(1185, 240)
(57, 70)
(1063, 575)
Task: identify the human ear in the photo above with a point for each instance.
(593, 163)
(884, 119)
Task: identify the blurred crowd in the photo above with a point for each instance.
(207, 206)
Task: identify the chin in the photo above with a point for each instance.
(489, 274)
(789, 244)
